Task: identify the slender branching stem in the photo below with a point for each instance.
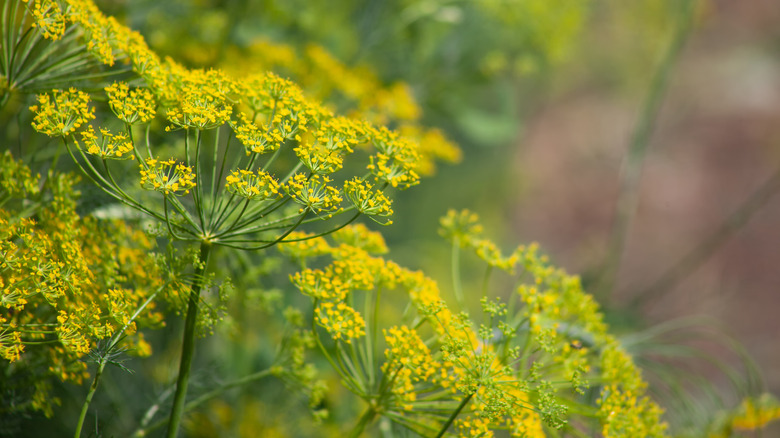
(188, 344)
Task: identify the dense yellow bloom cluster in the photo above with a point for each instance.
(48, 18)
(314, 193)
(67, 282)
(754, 414)
(108, 146)
(167, 176)
(62, 112)
(341, 321)
(408, 361)
(255, 139)
(367, 200)
(131, 106)
(260, 186)
(325, 77)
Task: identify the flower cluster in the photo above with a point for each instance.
(314, 193)
(108, 146)
(167, 176)
(131, 106)
(367, 200)
(67, 282)
(62, 112)
(325, 77)
(259, 187)
(48, 18)
(520, 371)
(408, 361)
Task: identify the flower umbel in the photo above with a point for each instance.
(167, 177)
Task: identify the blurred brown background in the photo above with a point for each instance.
(712, 150)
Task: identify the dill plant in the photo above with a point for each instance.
(276, 170)
(219, 159)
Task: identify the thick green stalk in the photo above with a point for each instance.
(454, 415)
(364, 421)
(92, 389)
(188, 344)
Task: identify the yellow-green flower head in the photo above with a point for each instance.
(260, 186)
(396, 160)
(314, 193)
(131, 106)
(367, 200)
(254, 138)
(62, 112)
(461, 226)
(265, 92)
(199, 112)
(167, 177)
(409, 360)
(300, 245)
(204, 100)
(100, 32)
(108, 146)
(48, 18)
(359, 236)
(755, 413)
(341, 321)
(322, 285)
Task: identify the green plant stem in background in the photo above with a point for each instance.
(454, 416)
(708, 246)
(143, 430)
(629, 188)
(364, 421)
(104, 359)
(92, 388)
(457, 287)
(188, 343)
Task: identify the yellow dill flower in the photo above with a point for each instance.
(204, 100)
(396, 159)
(461, 226)
(109, 146)
(320, 285)
(300, 245)
(340, 320)
(409, 361)
(314, 193)
(198, 112)
(366, 200)
(755, 413)
(167, 176)
(131, 106)
(255, 139)
(359, 236)
(48, 18)
(11, 346)
(62, 112)
(259, 187)
(17, 180)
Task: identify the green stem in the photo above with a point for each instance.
(457, 287)
(628, 197)
(214, 393)
(364, 421)
(92, 389)
(454, 415)
(188, 344)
